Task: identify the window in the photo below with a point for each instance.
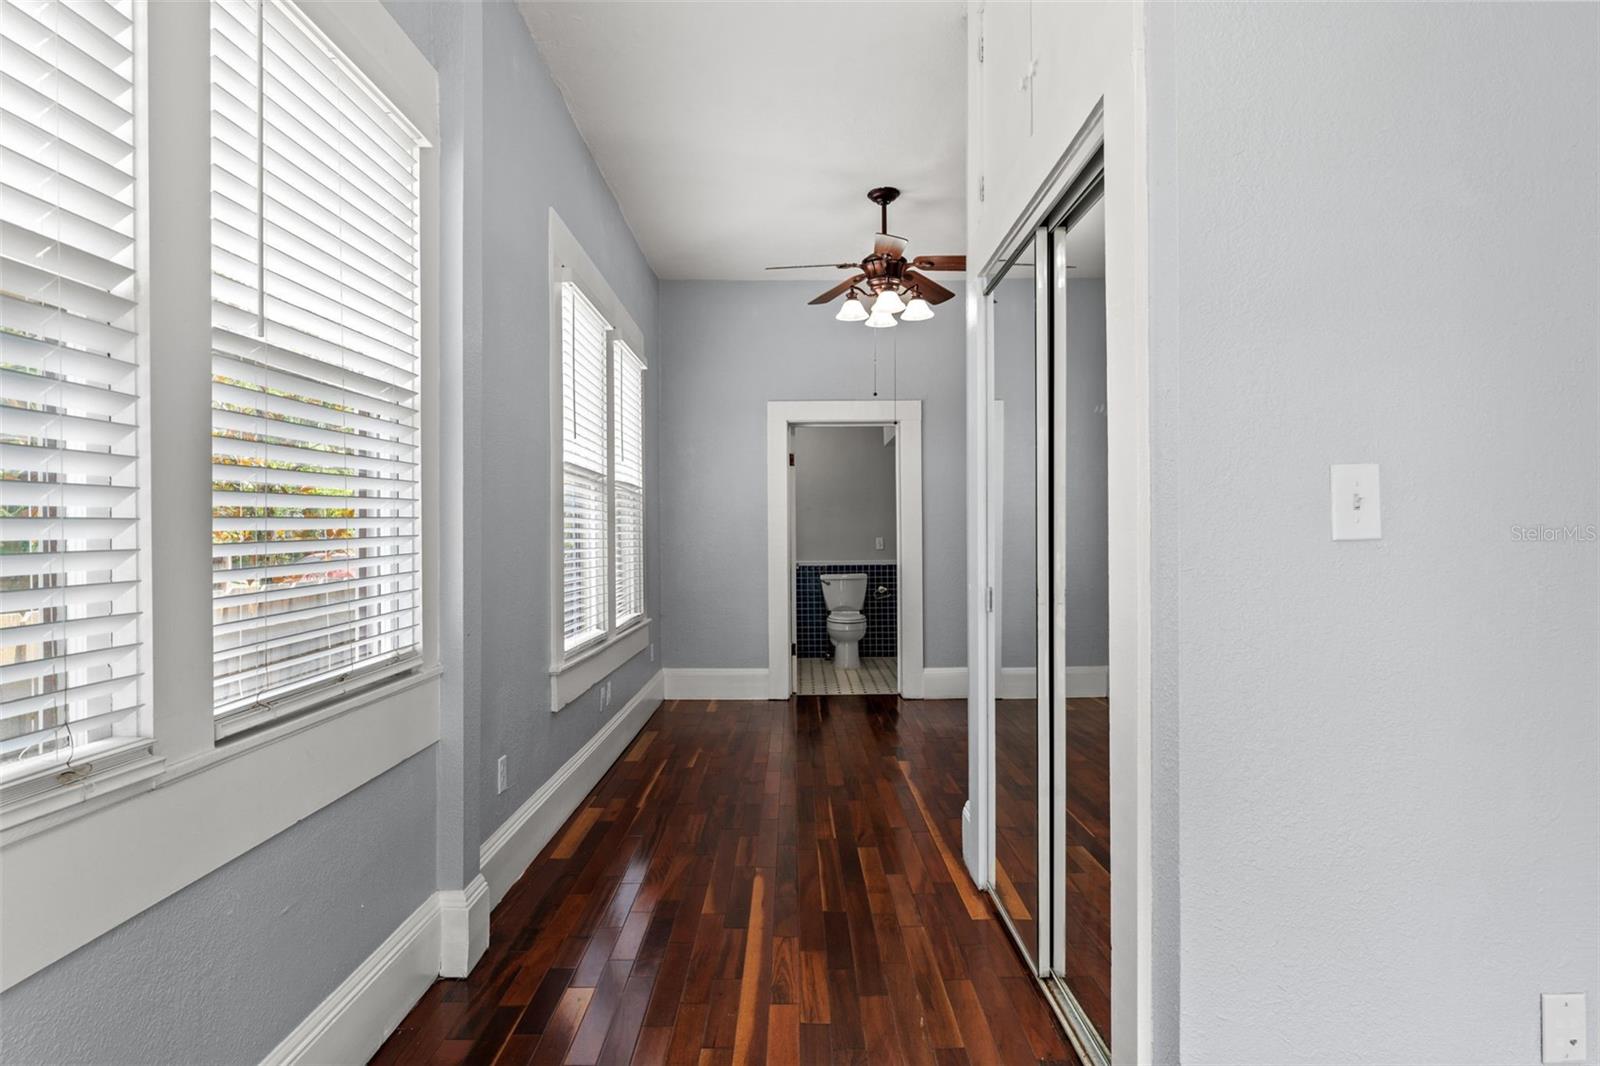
(315, 366)
(602, 476)
(70, 616)
(585, 429)
(628, 480)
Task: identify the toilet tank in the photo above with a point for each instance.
(844, 591)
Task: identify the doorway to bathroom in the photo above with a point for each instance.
(844, 541)
(844, 547)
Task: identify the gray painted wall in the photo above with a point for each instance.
(844, 495)
(731, 347)
(221, 971)
(1380, 225)
(1087, 622)
(1014, 389)
(530, 158)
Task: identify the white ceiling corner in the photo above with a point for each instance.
(741, 135)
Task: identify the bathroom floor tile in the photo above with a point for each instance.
(819, 677)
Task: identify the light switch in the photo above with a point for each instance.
(1564, 1024)
(880, 544)
(1355, 501)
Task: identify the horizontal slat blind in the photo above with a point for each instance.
(69, 499)
(585, 431)
(315, 364)
(628, 481)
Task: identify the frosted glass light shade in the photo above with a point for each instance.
(888, 302)
(917, 311)
(852, 311)
(881, 320)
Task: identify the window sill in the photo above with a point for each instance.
(577, 675)
(109, 775)
(153, 826)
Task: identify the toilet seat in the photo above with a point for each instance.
(846, 616)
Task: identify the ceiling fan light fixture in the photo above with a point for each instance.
(888, 302)
(917, 311)
(881, 320)
(852, 311)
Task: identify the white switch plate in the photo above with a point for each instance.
(1355, 501)
(880, 544)
(500, 775)
(1564, 1023)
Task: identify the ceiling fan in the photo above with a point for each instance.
(894, 284)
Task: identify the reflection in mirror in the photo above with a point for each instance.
(1016, 741)
(1085, 897)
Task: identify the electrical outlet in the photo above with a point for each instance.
(652, 651)
(1564, 1026)
(605, 695)
(500, 775)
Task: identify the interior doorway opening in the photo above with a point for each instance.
(844, 547)
(843, 555)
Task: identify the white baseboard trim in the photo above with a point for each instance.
(1016, 682)
(690, 684)
(969, 841)
(358, 1016)
(463, 927)
(512, 847)
(944, 682)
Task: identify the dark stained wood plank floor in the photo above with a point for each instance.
(1087, 906)
(1016, 817)
(753, 882)
(1087, 913)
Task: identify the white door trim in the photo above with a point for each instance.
(907, 416)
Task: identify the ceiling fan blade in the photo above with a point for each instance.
(927, 288)
(837, 289)
(889, 246)
(940, 262)
(818, 266)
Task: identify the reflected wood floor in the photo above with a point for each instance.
(753, 882)
(1086, 915)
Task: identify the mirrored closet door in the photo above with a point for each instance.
(1081, 718)
(1018, 536)
(1049, 572)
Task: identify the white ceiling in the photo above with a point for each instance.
(742, 135)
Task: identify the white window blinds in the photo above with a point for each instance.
(315, 363)
(628, 482)
(584, 491)
(69, 562)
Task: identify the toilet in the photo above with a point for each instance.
(844, 595)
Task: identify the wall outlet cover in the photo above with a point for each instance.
(500, 774)
(1564, 1027)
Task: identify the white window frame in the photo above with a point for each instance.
(574, 672)
(161, 821)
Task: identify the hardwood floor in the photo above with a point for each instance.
(1087, 910)
(1088, 832)
(1016, 817)
(753, 882)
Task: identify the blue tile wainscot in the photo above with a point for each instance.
(811, 610)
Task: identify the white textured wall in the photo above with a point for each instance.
(1375, 237)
